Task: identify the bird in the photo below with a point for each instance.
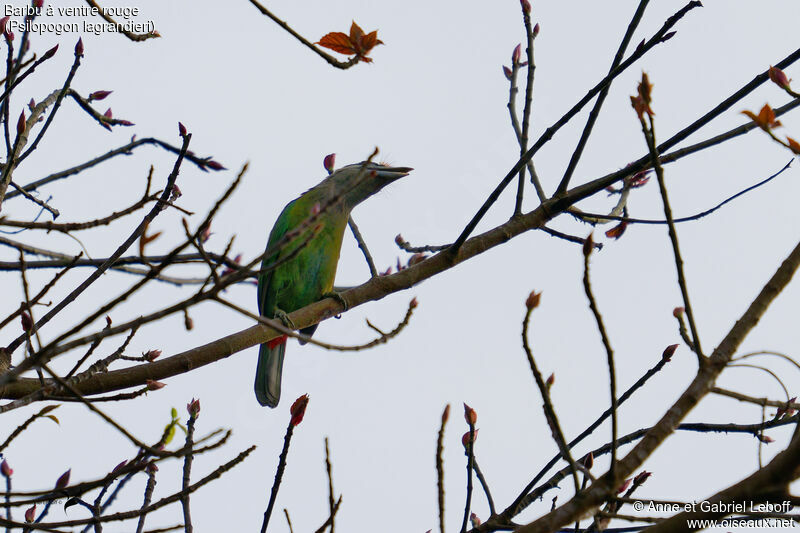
(299, 265)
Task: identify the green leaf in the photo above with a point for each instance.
(169, 431)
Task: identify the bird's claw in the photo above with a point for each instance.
(338, 297)
(284, 318)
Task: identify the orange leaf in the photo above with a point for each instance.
(371, 40)
(765, 118)
(617, 231)
(356, 33)
(794, 146)
(357, 43)
(338, 42)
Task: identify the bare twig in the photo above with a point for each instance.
(612, 374)
(440, 467)
(363, 246)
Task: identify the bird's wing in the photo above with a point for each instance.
(286, 221)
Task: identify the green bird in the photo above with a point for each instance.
(310, 253)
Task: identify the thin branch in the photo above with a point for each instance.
(327, 57)
(331, 502)
(363, 245)
(550, 132)
(40, 203)
(697, 216)
(324, 526)
(696, 390)
(612, 373)
(25, 365)
(601, 97)
(485, 487)
(650, 136)
(469, 448)
(273, 495)
(440, 467)
(128, 515)
(202, 162)
(549, 411)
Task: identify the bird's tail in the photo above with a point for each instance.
(268, 372)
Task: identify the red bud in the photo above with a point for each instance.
(79, 48)
(152, 355)
(30, 513)
(638, 180)
(515, 54)
(5, 469)
(108, 113)
(119, 467)
(386, 272)
(108, 321)
(27, 321)
(550, 380)
(588, 245)
(3, 24)
(416, 258)
(298, 410)
(536, 29)
(193, 408)
(154, 385)
(413, 303)
(63, 479)
(50, 53)
(21, 124)
(213, 165)
(446, 413)
(588, 461)
(624, 486)
(38, 3)
(668, 351)
(641, 477)
(329, 162)
(678, 312)
(507, 72)
(473, 518)
(99, 95)
(779, 78)
(181, 129)
(532, 302)
(470, 415)
(465, 438)
(151, 467)
(526, 6)
(9, 35)
(206, 233)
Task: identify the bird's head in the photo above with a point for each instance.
(357, 182)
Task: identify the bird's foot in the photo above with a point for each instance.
(284, 318)
(338, 297)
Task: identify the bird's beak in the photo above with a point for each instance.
(392, 173)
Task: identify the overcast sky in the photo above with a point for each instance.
(434, 99)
